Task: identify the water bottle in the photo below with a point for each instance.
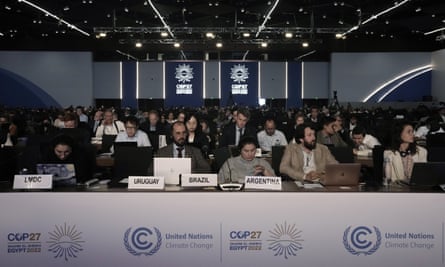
(386, 171)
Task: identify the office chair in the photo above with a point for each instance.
(221, 155)
(277, 154)
(342, 154)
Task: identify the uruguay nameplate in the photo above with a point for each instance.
(199, 180)
(262, 182)
(146, 182)
(33, 181)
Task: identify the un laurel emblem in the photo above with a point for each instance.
(362, 240)
(143, 241)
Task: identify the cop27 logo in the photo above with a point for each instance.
(143, 241)
(362, 240)
(285, 240)
(184, 73)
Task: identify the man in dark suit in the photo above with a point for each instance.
(178, 149)
(233, 132)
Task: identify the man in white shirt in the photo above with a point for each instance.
(363, 142)
(132, 133)
(270, 136)
(109, 126)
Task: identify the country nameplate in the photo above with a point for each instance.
(146, 182)
(262, 182)
(33, 181)
(199, 179)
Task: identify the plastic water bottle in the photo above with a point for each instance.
(386, 171)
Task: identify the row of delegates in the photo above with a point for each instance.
(305, 159)
(235, 169)
(404, 152)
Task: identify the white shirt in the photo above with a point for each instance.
(140, 138)
(266, 141)
(110, 129)
(369, 142)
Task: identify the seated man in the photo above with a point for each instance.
(270, 136)
(363, 142)
(154, 128)
(132, 133)
(235, 169)
(305, 159)
(109, 126)
(328, 136)
(179, 149)
(233, 132)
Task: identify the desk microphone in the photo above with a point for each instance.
(231, 186)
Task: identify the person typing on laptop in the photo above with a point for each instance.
(305, 159)
(235, 169)
(179, 149)
(64, 150)
(132, 133)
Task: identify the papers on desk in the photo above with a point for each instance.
(308, 185)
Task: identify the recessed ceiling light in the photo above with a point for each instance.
(219, 44)
(264, 44)
(288, 35)
(338, 35)
(164, 34)
(246, 34)
(103, 34)
(138, 44)
(7, 7)
(210, 35)
(177, 45)
(305, 44)
(66, 8)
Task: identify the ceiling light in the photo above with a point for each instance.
(177, 45)
(66, 8)
(164, 34)
(138, 44)
(418, 9)
(288, 35)
(338, 35)
(246, 34)
(103, 34)
(7, 7)
(210, 35)
(264, 44)
(305, 44)
(219, 44)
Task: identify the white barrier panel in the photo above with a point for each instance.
(222, 229)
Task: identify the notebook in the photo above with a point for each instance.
(62, 173)
(341, 174)
(171, 168)
(428, 174)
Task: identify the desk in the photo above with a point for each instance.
(105, 161)
(117, 228)
(364, 160)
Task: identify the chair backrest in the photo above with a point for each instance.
(436, 140)
(377, 162)
(342, 154)
(131, 161)
(436, 154)
(221, 155)
(277, 154)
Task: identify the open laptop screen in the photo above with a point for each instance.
(171, 168)
(63, 174)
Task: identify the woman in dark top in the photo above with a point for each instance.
(195, 136)
(64, 150)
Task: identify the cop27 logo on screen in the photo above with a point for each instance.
(184, 75)
(239, 75)
(143, 241)
(362, 240)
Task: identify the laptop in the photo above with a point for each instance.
(126, 144)
(171, 168)
(107, 142)
(341, 174)
(428, 174)
(63, 174)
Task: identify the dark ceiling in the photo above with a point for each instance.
(383, 26)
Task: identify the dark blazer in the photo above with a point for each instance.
(199, 163)
(228, 136)
(153, 135)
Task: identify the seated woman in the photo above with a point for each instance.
(235, 169)
(400, 158)
(64, 150)
(195, 136)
